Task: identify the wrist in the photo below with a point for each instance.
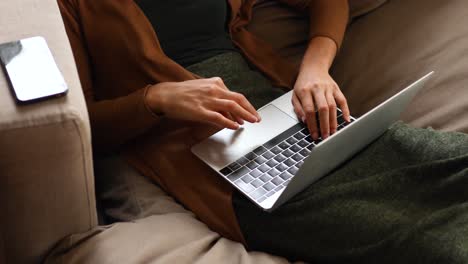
(154, 99)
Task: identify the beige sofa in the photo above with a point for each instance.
(47, 197)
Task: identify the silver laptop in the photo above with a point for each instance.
(271, 161)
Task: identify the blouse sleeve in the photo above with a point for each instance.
(328, 18)
(115, 121)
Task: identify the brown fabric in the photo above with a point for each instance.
(118, 54)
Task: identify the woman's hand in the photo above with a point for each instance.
(316, 91)
(202, 100)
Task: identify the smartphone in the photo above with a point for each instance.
(31, 70)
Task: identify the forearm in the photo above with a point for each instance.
(116, 121)
(319, 54)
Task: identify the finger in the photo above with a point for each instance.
(236, 97)
(239, 120)
(343, 104)
(219, 120)
(235, 109)
(324, 118)
(244, 103)
(309, 110)
(298, 108)
(232, 117)
(332, 112)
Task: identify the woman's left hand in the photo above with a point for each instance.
(316, 91)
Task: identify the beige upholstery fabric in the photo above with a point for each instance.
(46, 179)
(158, 229)
(398, 43)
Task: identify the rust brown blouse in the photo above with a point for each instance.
(118, 57)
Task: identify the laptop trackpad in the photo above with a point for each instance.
(227, 146)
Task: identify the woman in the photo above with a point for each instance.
(140, 64)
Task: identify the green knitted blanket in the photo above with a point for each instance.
(403, 199)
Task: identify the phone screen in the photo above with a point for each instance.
(31, 69)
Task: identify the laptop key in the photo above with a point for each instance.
(295, 148)
(316, 142)
(305, 152)
(242, 161)
(244, 186)
(289, 162)
(257, 193)
(270, 194)
(286, 175)
(297, 157)
(281, 167)
(276, 150)
(261, 199)
(293, 170)
(255, 173)
(303, 143)
(226, 171)
(284, 145)
(259, 151)
(277, 181)
(269, 186)
(247, 178)
(273, 172)
(241, 172)
(257, 183)
(264, 168)
(308, 139)
(299, 136)
(287, 153)
(291, 140)
(268, 155)
(260, 160)
(280, 158)
(272, 163)
(252, 165)
(234, 166)
(310, 147)
(265, 178)
(250, 156)
(341, 120)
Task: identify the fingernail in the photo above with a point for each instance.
(325, 136)
(315, 136)
(303, 120)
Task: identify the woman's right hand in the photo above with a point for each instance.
(202, 100)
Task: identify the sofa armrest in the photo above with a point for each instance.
(46, 175)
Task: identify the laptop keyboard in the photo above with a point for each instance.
(270, 167)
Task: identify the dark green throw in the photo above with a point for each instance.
(403, 199)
